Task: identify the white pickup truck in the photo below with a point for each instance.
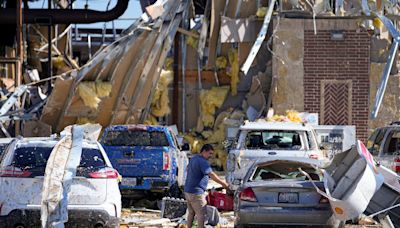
(262, 139)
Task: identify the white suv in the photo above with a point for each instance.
(262, 139)
(93, 201)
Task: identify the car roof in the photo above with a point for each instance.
(137, 127)
(310, 161)
(267, 125)
(49, 142)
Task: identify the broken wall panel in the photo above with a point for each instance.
(287, 65)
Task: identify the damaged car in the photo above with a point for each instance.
(148, 158)
(278, 192)
(94, 199)
(263, 139)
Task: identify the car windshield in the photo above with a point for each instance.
(275, 139)
(136, 138)
(285, 171)
(34, 160)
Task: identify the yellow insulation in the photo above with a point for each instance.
(377, 23)
(85, 120)
(210, 100)
(192, 41)
(168, 65)
(234, 71)
(291, 116)
(91, 92)
(160, 102)
(87, 92)
(151, 120)
(261, 12)
(103, 89)
(221, 62)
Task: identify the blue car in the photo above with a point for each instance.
(148, 158)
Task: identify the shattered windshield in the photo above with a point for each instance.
(274, 139)
(136, 138)
(285, 171)
(34, 160)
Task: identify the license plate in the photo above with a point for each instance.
(288, 197)
(128, 181)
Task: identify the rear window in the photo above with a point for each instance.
(276, 140)
(135, 138)
(34, 160)
(285, 171)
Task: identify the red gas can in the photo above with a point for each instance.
(220, 200)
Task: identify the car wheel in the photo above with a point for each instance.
(19, 226)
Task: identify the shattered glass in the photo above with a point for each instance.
(136, 138)
(275, 139)
(34, 160)
(289, 171)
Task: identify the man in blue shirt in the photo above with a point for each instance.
(198, 173)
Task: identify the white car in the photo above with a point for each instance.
(262, 139)
(93, 201)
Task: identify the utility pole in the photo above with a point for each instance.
(49, 47)
(20, 59)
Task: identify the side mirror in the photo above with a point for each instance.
(185, 146)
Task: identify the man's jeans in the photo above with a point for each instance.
(196, 205)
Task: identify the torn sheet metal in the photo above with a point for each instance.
(390, 60)
(13, 99)
(128, 64)
(386, 200)
(260, 38)
(351, 180)
(239, 30)
(60, 169)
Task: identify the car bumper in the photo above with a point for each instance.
(76, 218)
(148, 184)
(278, 215)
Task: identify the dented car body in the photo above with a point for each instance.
(276, 192)
(263, 139)
(93, 199)
(147, 157)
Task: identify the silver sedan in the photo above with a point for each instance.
(276, 192)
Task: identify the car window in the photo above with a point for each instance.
(136, 138)
(376, 141)
(34, 160)
(285, 171)
(392, 143)
(274, 139)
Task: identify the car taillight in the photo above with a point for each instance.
(104, 173)
(396, 167)
(248, 195)
(165, 161)
(323, 200)
(11, 171)
(313, 156)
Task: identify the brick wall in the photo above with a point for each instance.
(338, 60)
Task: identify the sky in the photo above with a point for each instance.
(131, 14)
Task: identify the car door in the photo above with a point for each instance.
(391, 149)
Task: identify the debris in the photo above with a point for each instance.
(234, 69)
(60, 169)
(173, 208)
(210, 100)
